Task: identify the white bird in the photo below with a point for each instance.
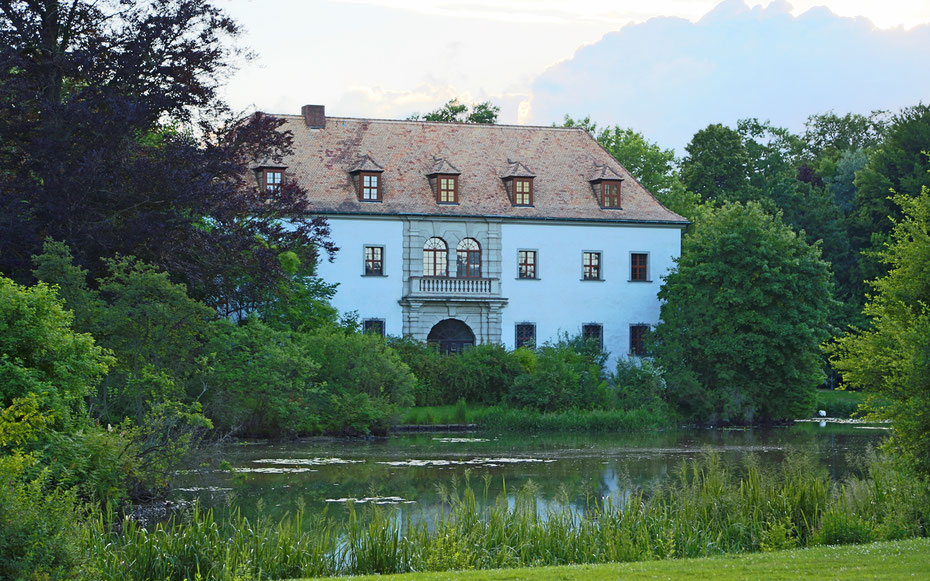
(822, 413)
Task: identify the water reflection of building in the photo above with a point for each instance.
(463, 233)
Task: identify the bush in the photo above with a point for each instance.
(568, 374)
(425, 362)
(38, 525)
(483, 374)
(262, 382)
(638, 384)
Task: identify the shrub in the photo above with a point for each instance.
(37, 524)
(568, 374)
(638, 384)
(483, 374)
(425, 362)
(261, 382)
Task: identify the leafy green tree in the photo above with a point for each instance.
(891, 360)
(829, 133)
(900, 165)
(457, 112)
(717, 164)
(743, 316)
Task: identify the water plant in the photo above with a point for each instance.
(708, 508)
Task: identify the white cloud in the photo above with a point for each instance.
(669, 77)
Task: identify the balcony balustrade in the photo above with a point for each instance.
(448, 287)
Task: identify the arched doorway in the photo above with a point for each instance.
(452, 336)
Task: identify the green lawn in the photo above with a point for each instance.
(887, 560)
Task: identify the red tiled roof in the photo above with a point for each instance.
(563, 160)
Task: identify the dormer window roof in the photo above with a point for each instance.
(270, 176)
(605, 182)
(444, 180)
(366, 176)
(518, 179)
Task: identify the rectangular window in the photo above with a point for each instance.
(525, 335)
(591, 263)
(638, 264)
(638, 339)
(272, 180)
(371, 187)
(522, 192)
(610, 195)
(594, 332)
(374, 326)
(526, 264)
(448, 190)
(374, 261)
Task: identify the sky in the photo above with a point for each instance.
(666, 68)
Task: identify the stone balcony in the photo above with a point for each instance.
(435, 287)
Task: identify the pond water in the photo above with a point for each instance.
(409, 470)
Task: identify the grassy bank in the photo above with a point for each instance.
(707, 509)
(885, 560)
(839, 403)
(505, 418)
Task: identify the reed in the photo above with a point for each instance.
(707, 508)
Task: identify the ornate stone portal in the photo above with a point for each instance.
(475, 301)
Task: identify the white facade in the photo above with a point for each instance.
(558, 300)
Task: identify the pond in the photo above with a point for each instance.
(409, 470)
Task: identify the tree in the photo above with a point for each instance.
(115, 141)
(891, 360)
(900, 165)
(456, 112)
(717, 165)
(829, 133)
(742, 319)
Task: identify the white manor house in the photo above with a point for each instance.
(471, 233)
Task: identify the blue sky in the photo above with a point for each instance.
(666, 68)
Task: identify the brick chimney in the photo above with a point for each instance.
(314, 116)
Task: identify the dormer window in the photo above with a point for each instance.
(523, 191)
(370, 186)
(610, 194)
(606, 184)
(444, 180)
(518, 180)
(368, 179)
(272, 180)
(448, 189)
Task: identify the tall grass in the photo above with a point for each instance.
(573, 420)
(707, 508)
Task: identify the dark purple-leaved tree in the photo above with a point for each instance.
(113, 139)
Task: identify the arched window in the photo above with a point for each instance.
(435, 257)
(468, 258)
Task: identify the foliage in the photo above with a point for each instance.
(891, 360)
(900, 165)
(742, 319)
(531, 421)
(116, 142)
(708, 508)
(155, 330)
(38, 524)
(261, 382)
(716, 167)
(425, 362)
(568, 374)
(828, 132)
(456, 112)
(639, 384)
(42, 358)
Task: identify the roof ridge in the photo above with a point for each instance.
(421, 122)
